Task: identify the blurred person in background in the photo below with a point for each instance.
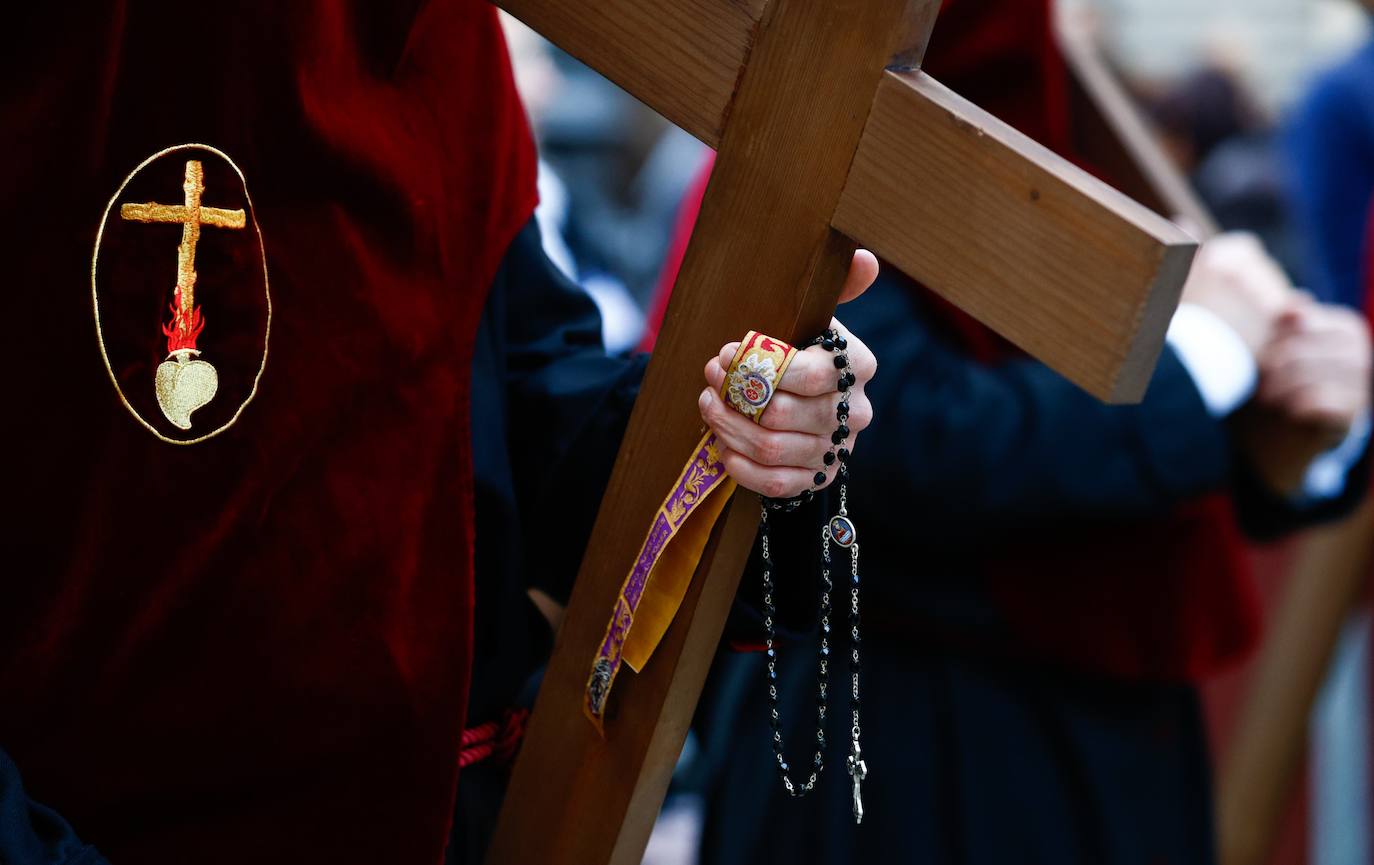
(1049, 578)
(1224, 143)
(1330, 156)
(611, 174)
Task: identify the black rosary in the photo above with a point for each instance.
(839, 530)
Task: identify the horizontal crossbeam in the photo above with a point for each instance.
(213, 216)
(1067, 268)
(1076, 274)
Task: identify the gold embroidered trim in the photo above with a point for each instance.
(185, 263)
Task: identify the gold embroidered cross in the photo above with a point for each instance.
(192, 216)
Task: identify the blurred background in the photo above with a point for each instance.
(1274, 47)
(1228, 89)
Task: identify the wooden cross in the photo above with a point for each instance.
(192, 216)
(827, 136)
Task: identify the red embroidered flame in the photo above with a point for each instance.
(182, 330)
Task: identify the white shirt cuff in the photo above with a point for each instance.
(1325, 478)
(1216, 358)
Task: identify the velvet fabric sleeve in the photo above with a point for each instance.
(569, 403)
(31, 834)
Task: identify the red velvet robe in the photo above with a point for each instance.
(256, 648)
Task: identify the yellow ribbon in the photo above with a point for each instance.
(651, 594)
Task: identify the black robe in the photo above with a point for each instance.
(979, 751)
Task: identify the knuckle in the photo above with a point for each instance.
(820, 378)
(778, 415)
(774, 487)
(865, 364)
(711, 411)
(771, 451)
(731, 461)
(860, 414)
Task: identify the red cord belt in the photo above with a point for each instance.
(499, 739)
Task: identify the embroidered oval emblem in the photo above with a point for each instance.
(842, 531)
(180, 294)
(756, 390)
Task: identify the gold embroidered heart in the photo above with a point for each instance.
(183, 386)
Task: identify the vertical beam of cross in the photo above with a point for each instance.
(192, 216)
(763, 253)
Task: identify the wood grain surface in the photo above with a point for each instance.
(1072, 271)
(682, 58)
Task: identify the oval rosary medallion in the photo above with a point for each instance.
(188, 374)
(842, 531)
(756, 390)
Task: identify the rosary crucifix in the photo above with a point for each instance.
(858, 771)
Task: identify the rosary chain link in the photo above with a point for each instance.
(823, 670)
(832, 341)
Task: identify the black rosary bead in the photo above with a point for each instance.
(819, 478)
(841, 361)
(841, 343)
(843, 383)
(843, 454)
(835, 437)
(843, 432)
(829, 458)
(828, 344)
